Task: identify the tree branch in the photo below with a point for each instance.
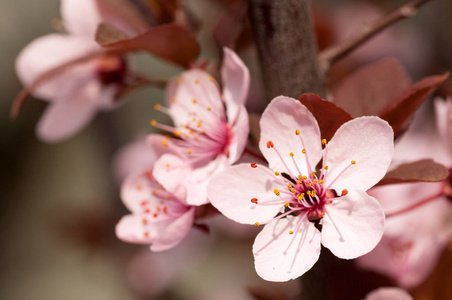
(337, 52)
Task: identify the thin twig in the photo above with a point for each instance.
(337, 52)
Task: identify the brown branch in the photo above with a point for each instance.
(337, 52)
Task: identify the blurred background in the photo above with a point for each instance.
(60, 202)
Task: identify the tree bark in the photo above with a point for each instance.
(287, 47)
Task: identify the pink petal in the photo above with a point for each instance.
(279, 121)
(174, 232)
(369, 141)
(51, 51)
(240, 130)
(389, 293)
(231, 192)
(131, 229)
(81, 17)
(137, 188)
(171, 172)
(280, 256)
(193, 85)
(162, 144)
(236, 82)
(64, 119)
(196, 183)
(353, 225)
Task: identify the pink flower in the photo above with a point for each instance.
(158, 217)
(388, 293)
(80, 90)
(208, 137)
(303, 199)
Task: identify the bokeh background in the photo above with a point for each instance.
(59, 202)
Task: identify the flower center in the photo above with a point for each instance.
(111, 69)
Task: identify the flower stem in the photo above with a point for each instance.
(415, 205)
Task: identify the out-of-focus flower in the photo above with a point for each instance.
(80, 90)
(208, 137)
(414, 239)
(388, 293)
(302, 198)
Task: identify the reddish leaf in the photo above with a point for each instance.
(371, 88)
(422, 170)
(122, 13)
(204, 228)
(400, 111)
(171, 42)
(329, 116)
(106, 34)
(230, 25)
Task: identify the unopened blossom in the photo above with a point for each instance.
(80, 90)
(210, 128)
(302, 206)
(158, 217)
(389, 293)
(419, 224)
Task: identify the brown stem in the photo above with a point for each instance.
(287, 47)
(337, 52)
(415, 205)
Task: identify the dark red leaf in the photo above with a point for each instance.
(400, 111)
(329, 116)
(419, 171)
(171, 42)
(371, 88)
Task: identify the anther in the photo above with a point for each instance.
(292, 190)
(139, 187)
(297, 132)
(314, 181)
(209, 108)
(321, 181)
(313, 174)
(143, 203)
(321, 214)
(153, 122)
(146, 234)
(291, 232)
(177, 133)
(253, 165)
(195, 101)
(157, 107)
(289, 186)
(326, 167)
(174, 100)
(270, 144)
(155, 215)
(254, 200)
(167, 165)
(189, 151)
(344, 192)
(324, 142)
(277, 193)
(286, 204)
(144, 221)
(211, 78)
(291, 154)
(353, 162)
(197, 81)
(303, 151)
(179, 80)
(147, 210)
(256, 224)
(276, 173)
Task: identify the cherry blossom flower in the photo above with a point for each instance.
(414, 240)
(388, 293)
(208, 137)
(294, 200)
(158, 217)
(80, 90)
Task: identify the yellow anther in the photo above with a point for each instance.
(276, 173)
(292, 190)
(197, 81)
(326, 167)
(179, 79)
(209, 108)
(199, 125)
(291, 232)
(291, 154)
(289, 185)
(211, 79)
(313, 174)
(304, 177)
(174, 100)
(256, 224)
(303, 151)
(157, 107)
(277, 193)
(195, 101)
(312, 193)
(139, 187)
(153, 122)
(321, 181)
(309, 184)
(353, 162)
(299, 181)
(189, 151)
(164, 143)
(177, 133)
(309, 192)
(297, 132)
(167, 165)
(314, 181)
(286, 204)
(324, 142)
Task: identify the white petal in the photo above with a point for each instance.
(369, 141)
(353, 225)
(240, 130)
(279, 121)
(231, 192)
(81, 17)
(281, 256)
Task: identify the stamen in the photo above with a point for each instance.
(277, 193)
(253, 165)
(256, 224)
(270, 144)
(254, 200)
(344, 192)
